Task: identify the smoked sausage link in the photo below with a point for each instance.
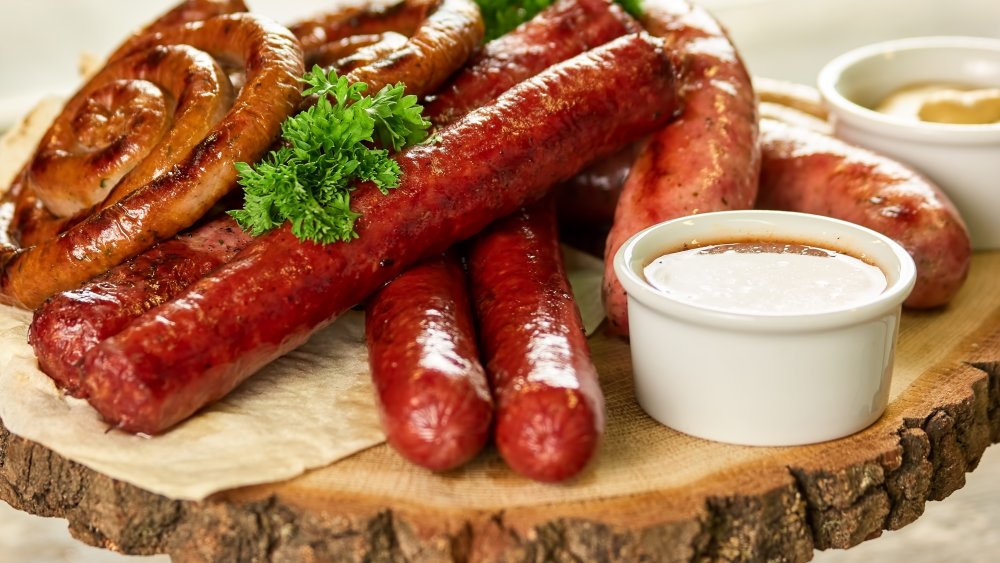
(706, 160)
(279, 290)
(814, 173)
(70, 323)
(433, 398)
(550, 409)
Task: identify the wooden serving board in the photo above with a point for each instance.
(654, 494)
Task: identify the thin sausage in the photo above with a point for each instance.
(550, 409)
(433, 399)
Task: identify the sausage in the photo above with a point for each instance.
(402, 16)
(550, 409)
(69, 324)
(563, 30)
(706, 160)
(585, 204)
(809, 172)
(443, 34)
(278, 290)
(356, 51)
(433, 399)
(136, 214)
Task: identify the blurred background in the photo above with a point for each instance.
(41, 42)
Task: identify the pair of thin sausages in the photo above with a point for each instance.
(422, 338)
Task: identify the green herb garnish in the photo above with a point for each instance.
(326, 149)
(501, 16)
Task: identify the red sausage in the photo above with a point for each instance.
(707, 160)
(550, 410)
(813, 173)
(563, 30)
(433, 398)
(69, 324)
(278, 291)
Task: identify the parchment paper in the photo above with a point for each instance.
(307, 409)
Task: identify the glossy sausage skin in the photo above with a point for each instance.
(433, 399)
(706, 160)
(550, 409)
(278, 291)
(403, 16)
(135, 217)
(813, 173)
(443, 34)
(563, 30)
(69, 324)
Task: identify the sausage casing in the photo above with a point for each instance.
(550, 409)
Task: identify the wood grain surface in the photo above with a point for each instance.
(654, 494)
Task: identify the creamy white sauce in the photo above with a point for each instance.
(766, 278)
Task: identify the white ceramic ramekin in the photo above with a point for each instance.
(963, 159)
(762, 379)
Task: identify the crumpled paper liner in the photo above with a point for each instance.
(310, 408)
(307, 409)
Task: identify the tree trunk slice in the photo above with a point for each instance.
(654, 494)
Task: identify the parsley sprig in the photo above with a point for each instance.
(326, 150)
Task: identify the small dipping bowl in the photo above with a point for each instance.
(963, 159)
(762, 379)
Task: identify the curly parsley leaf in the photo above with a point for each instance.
(326, 150)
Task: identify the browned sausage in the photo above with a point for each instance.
(706, 160)
(813, 173)
(443, 34)
(356, 51)
(402, 16)
(69, 324)
(434, 402)
(550, 409)
(164, 197)
(565, 29)
(278, 291)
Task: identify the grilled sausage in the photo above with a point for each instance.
(443, 34)
(706, 160)
(813, 173)
(159, 199)
(69, 324)
(550, 409)
(278, 291)
(433, 399)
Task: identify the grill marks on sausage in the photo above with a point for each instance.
(813, 173)
(135, 218)
(433, 398)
